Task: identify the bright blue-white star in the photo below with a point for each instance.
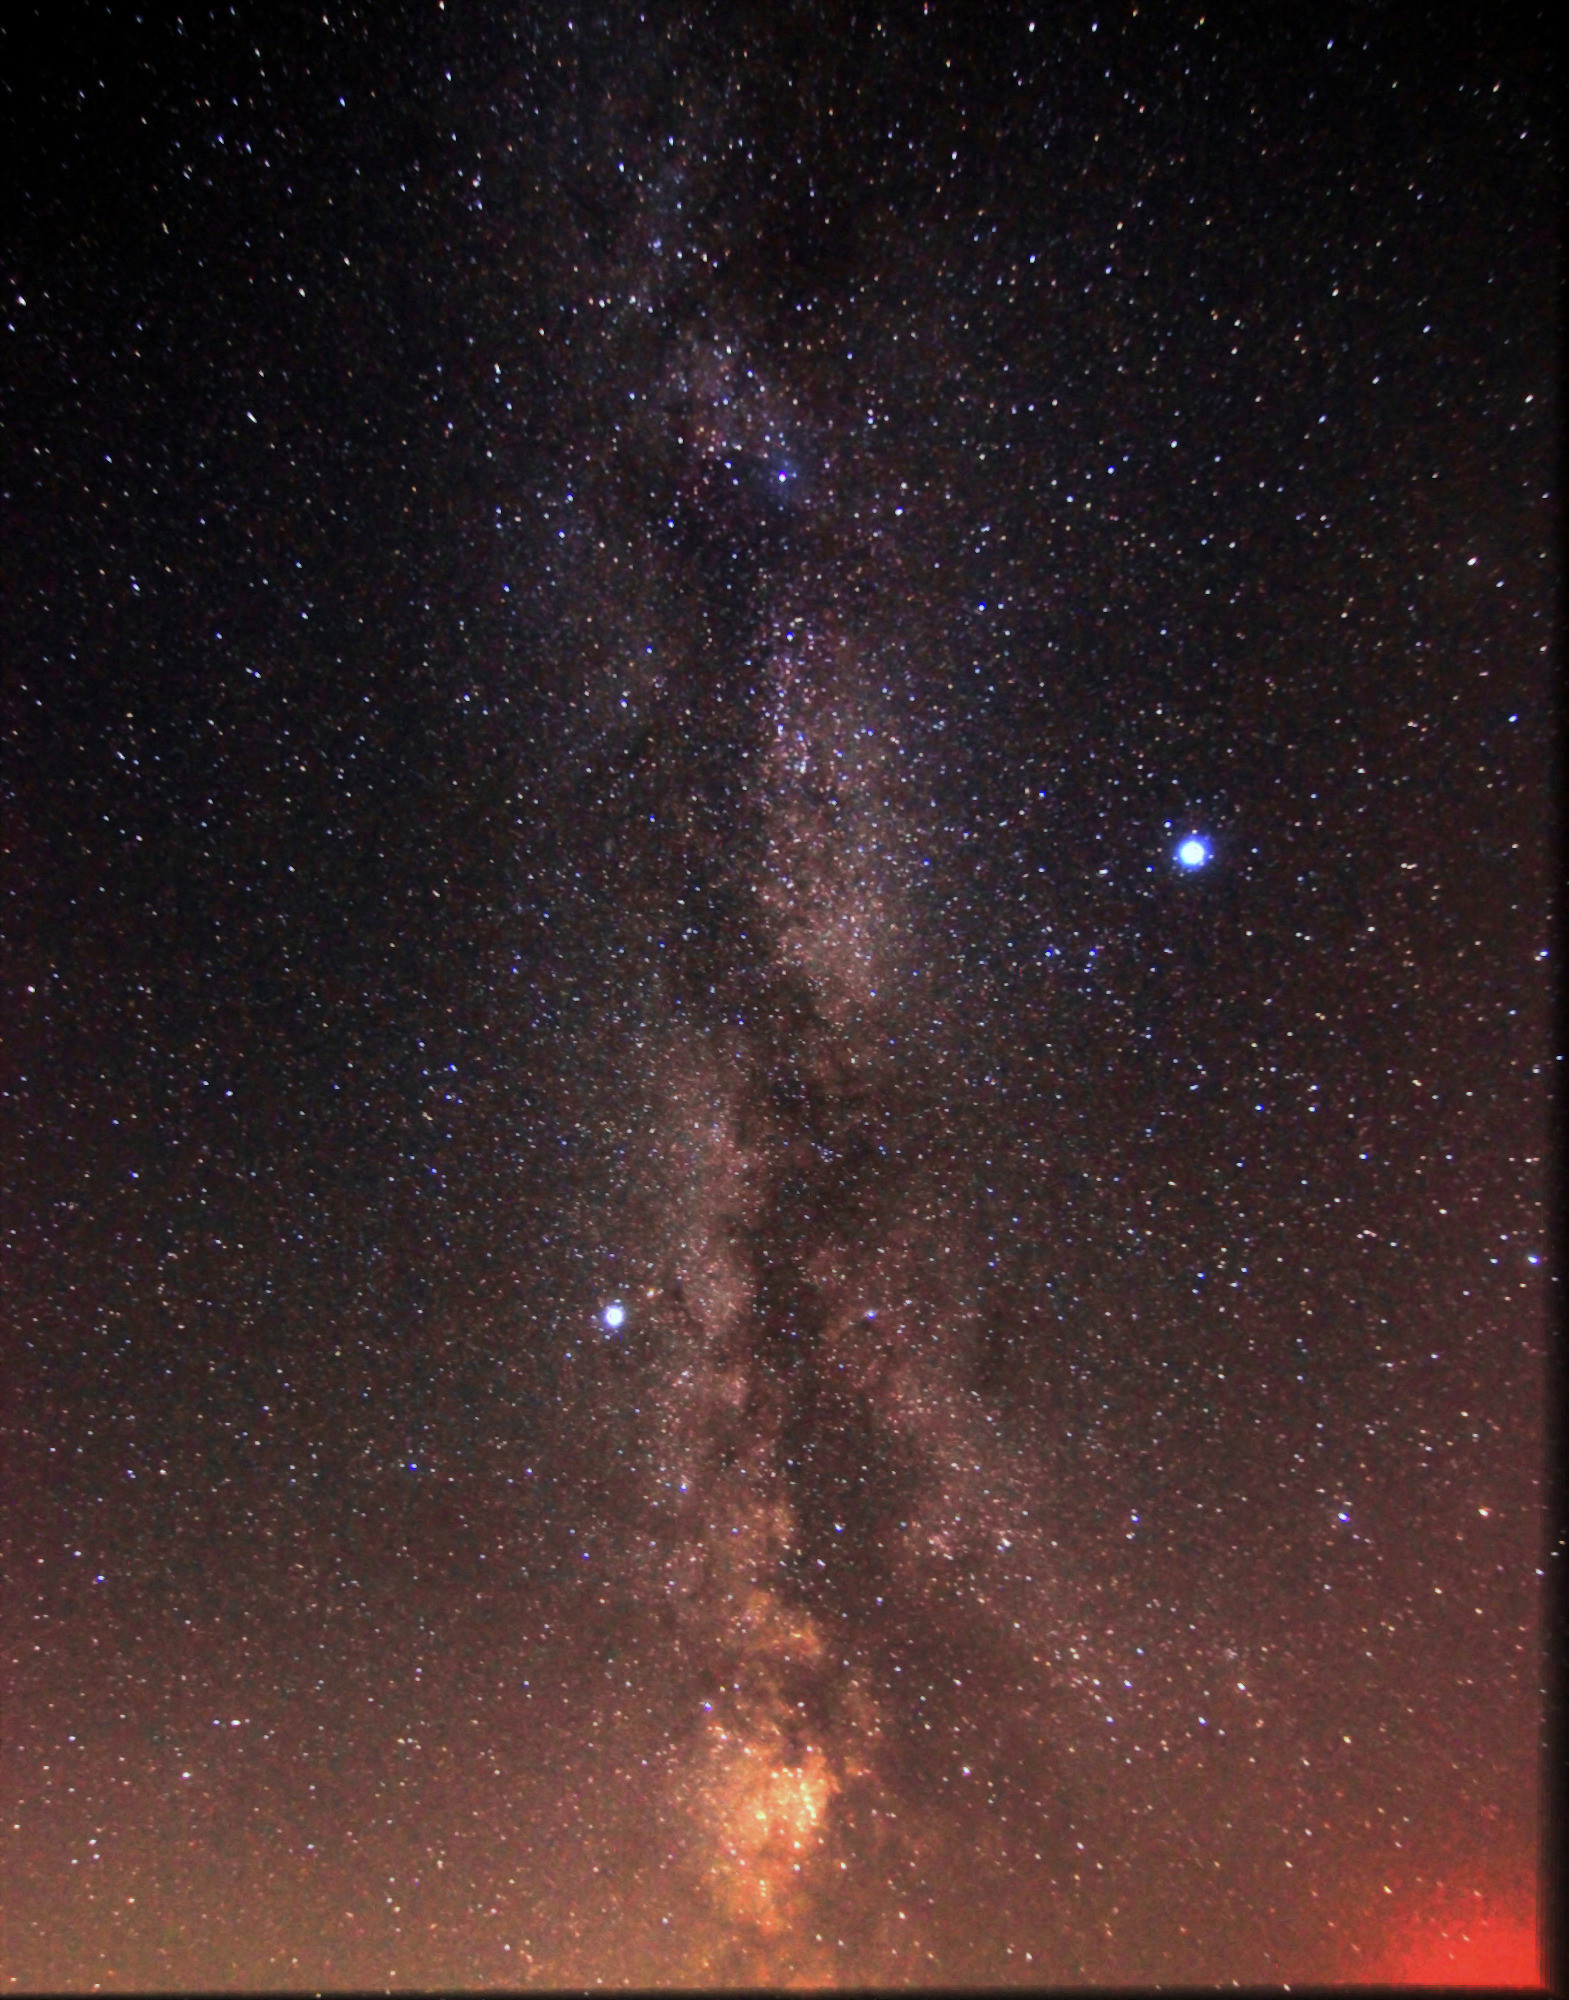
(1193, 852)
(615, 1314)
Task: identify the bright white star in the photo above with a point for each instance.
(615, 1314)
(1193, 852)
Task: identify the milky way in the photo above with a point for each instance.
(778, 943)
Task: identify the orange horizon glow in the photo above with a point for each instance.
(1465, 1940)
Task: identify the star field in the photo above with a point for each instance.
(777, 946)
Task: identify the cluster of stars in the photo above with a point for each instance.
(778, 1088)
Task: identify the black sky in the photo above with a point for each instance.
(611, 624)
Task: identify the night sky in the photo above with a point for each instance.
(776, 918)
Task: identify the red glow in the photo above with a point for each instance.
(1466, 1941)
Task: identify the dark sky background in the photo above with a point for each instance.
(676, 1308)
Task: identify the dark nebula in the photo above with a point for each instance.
(684, 1303)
